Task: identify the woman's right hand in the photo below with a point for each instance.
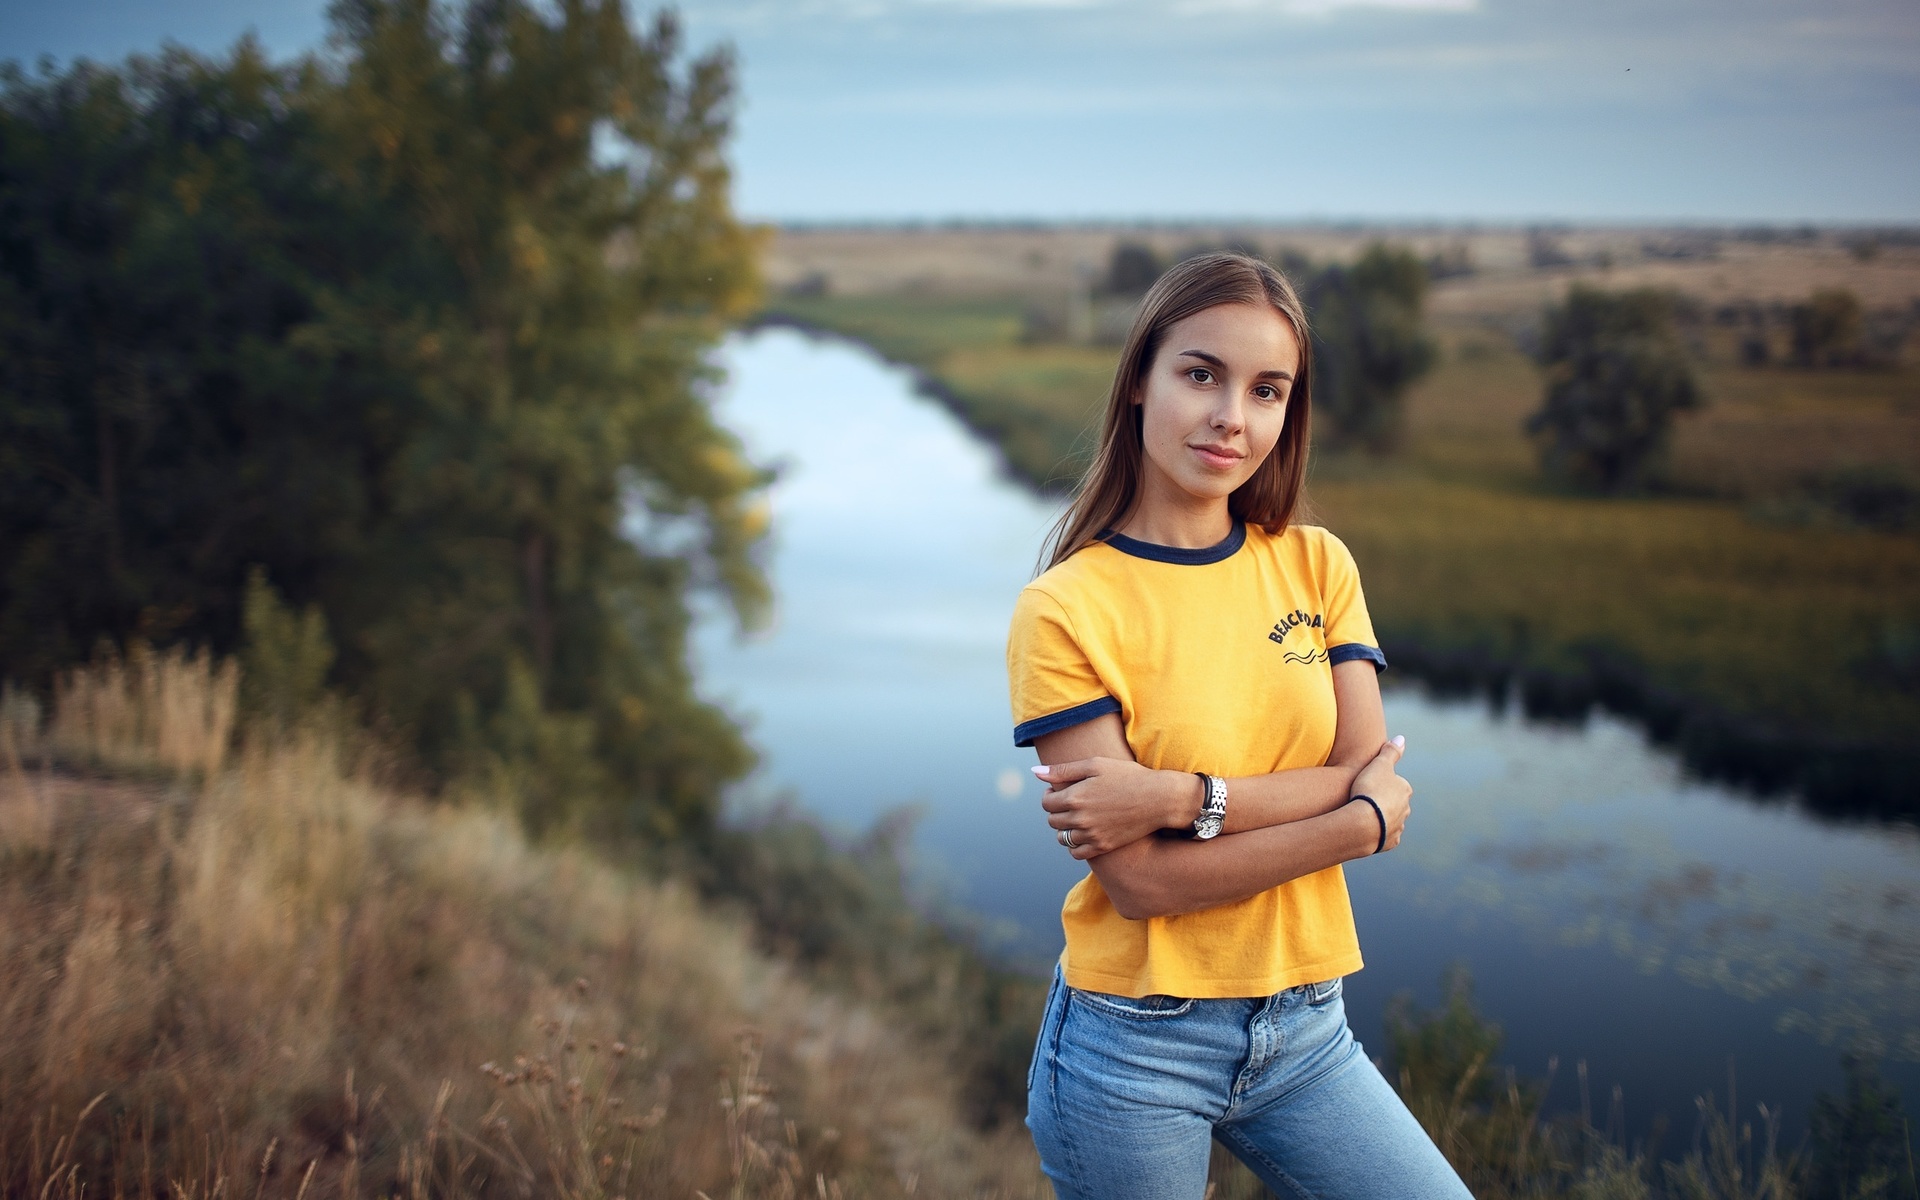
(1380, 779)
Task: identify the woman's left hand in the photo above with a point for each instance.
(1113, 802)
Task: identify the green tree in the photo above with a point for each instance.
(1132, 269)
(1370, 342)
(420, 328)
(1827, 329)
(1616, 374)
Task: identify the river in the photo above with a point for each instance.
(1610, 910)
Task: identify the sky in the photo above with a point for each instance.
(1740, 111)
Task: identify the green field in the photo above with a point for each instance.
(1773, 638)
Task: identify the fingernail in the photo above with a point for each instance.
(1042, 769)
(1399, 742)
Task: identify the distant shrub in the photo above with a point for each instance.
(1827, 329)
(1370, 342)
(1617, 371)
(1132, 269)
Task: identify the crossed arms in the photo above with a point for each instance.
(1278, 827)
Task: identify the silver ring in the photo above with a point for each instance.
(1064, 837)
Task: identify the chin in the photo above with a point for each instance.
(1212, 489)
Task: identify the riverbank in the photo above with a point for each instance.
(1772, 641)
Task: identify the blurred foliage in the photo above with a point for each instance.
(1485, 1120)
(842, 909)
(285, 658)
(1369, 344)
(1132, 269)
(286, 979)
(1664, 609)
(1616, 374)
(1489, 1122)
(1862, 1141)
(1827, 329)
(416, 327)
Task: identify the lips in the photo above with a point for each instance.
(1220, 458)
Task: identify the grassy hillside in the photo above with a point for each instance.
(1752, 613)
(263, 972)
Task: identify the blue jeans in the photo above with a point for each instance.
(1125, 1095)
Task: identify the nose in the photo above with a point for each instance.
(1230, 414)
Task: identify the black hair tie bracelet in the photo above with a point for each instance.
(1376, 812)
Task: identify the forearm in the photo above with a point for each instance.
(1158, 877)
(1262, 801)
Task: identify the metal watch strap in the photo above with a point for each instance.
(1213, 807)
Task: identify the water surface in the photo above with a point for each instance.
(1608, 908)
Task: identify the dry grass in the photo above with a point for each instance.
(1050, 261)
(147, 712)
(271, 976)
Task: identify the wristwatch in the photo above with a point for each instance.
(1213, 809)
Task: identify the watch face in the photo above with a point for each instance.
(1206, 827)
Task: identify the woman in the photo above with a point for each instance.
(1197, 674)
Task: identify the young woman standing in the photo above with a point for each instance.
(1197, 674)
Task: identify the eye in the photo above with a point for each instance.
(1200, 375)
(1267, 391)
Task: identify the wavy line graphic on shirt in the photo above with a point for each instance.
(1310, 657)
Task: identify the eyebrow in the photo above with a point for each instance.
(1216, 361)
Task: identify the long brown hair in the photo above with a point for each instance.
(1112, 483)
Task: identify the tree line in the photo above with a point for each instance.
(412, 333)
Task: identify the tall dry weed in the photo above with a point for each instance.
(173, 711)
(261, 974)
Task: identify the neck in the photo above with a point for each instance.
(1181, 520)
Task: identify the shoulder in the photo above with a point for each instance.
(1312, 547)
(1083, 578)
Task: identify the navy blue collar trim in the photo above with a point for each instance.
(1218, 552)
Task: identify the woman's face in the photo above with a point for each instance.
(1215, 399)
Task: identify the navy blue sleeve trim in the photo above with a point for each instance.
(1026, 731)
(1353, 650)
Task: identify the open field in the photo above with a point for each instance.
(1037, 261)
(1757, 609)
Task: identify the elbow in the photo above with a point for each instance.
(1138, 901)
(1138, 883)
(1351, 766)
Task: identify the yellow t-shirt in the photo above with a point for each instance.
(1217, 660)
